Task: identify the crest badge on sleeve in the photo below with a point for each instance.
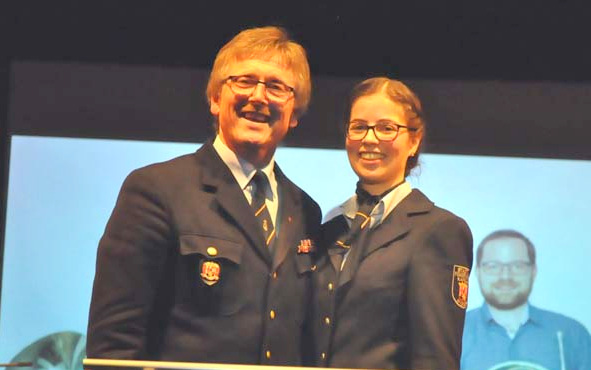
(459, 285)
(210, 272)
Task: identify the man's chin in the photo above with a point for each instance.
(253, 142)
(507, 303)
(253, 124)
(254, 148)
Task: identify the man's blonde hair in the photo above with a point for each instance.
(266, 43)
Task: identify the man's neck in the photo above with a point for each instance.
(256, 155)
(511, 319)
(242, 169)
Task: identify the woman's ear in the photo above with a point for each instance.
(416, 142)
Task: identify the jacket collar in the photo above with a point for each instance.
(218, 180)
(395, 226)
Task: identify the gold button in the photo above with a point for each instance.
(327, 320)
(330, 286)
(272, 314)
(274, 274)
(212, 251)
(323, 355)
(268, 354)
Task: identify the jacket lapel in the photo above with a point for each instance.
(333, 230)
(394, 227)
(289, 217)
(353, 258)
(218, 180)
(399, 222)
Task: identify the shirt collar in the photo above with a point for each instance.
(528, 314)
(243, 170)
(380, 211)
(535, 314)
(393, 198)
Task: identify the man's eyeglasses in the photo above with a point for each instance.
(274, 90)
(383, 130)
(495, 268)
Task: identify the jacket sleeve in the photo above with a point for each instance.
(436, 316)
(132, 255)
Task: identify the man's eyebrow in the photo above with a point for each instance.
(273, 78)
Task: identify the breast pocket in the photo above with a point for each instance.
(210, 275)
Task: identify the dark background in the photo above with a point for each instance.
(509, 78)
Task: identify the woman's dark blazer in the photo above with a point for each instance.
(399, 303)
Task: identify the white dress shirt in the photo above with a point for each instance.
(244, 171)
(379, 213)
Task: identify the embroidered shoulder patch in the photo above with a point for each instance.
(459, 286)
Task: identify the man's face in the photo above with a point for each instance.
(505, 273)
(252, 125)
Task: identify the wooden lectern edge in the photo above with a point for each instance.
(99, 362)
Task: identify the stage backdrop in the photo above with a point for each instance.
(62, 191)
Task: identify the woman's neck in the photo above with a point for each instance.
(377, 189)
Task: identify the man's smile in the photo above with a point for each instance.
(255, 116)
(255, 113)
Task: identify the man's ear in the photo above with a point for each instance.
(214, 105)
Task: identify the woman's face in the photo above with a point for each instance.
(380, 164)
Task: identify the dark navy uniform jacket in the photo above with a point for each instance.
(150, 300)
(395, 306)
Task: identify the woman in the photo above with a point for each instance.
(391, 284)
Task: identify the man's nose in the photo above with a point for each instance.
(259, 93)
(506, 271)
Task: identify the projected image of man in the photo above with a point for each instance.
(507, 327)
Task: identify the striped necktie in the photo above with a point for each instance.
(259, 207)
(361, 223)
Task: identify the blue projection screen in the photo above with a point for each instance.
(62, 190)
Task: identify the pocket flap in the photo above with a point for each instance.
(211, 247)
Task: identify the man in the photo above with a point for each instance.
(187, 270)
(509, 329)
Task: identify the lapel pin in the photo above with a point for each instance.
(306, 246)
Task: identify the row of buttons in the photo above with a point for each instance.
(327, 318)
(272, 315)
(330, 287)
